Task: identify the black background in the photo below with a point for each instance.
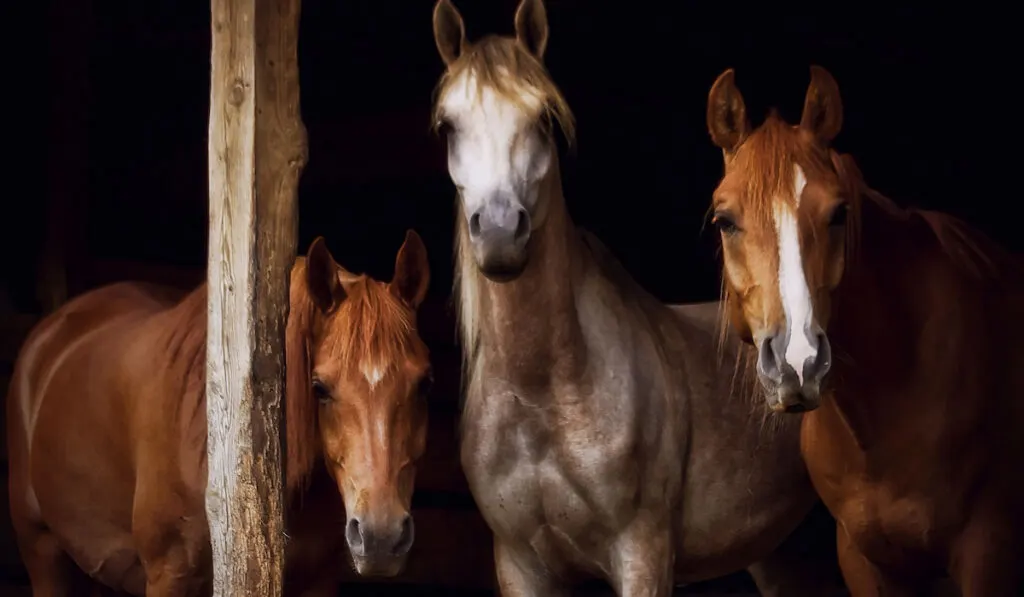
(108, 111)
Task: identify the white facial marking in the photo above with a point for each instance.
(373, 373)
(796, 298)
(491, 154)
(382, 433)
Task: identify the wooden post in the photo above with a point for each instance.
(257, 150)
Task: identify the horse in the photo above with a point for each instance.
(601, 436)
(107, 428)
(897, 332)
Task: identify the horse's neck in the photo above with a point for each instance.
(872, 330)
(187, 350)
(186, 341)
(529, 327)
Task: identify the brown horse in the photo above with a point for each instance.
(107, 430)
(916, 441)
(601, 435)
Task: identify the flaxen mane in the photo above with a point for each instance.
(376, 330)
(502, 64)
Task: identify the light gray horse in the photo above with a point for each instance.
(604, 434)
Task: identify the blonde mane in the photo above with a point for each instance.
(503, 65)
(467, 296)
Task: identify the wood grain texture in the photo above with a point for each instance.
(257, 150)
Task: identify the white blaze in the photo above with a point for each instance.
(796, 298)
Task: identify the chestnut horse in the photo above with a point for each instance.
(899, 330)
(106, 422)
(601, 435)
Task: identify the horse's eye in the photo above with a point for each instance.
(725, 224)
(838, 217)
(444, 128)
(321, 392)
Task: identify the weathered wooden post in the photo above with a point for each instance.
(257, 150)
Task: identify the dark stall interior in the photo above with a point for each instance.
(108, 177)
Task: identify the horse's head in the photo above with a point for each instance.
(495, 104)
(366, 375)
(781, 209)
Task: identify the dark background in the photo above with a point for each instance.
(106, 125)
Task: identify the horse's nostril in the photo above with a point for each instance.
(474, 225)
(354, 534)
(522, 225)
(768, 360)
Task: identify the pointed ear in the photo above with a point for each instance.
(532, 27)
(823, 108)
(727, 114)
(412, 271)
(449, 32)
(322, 277)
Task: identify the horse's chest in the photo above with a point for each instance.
(542, 483)
(888, 522)
(890, 528)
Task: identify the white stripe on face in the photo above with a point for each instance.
(796, 299)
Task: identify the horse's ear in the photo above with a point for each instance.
(727, 114)
(412, 271)
(532, 26)
(823, 108)
(449, 32)
(322, 279)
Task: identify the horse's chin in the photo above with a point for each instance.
(385, 567)
(785, 400)
(504, 270)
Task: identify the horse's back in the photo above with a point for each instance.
(69, 429)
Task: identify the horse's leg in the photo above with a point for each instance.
(50, 570)
(987, 559)
(642, 560)
(521, 575)
(863, 578)
(173, 543)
